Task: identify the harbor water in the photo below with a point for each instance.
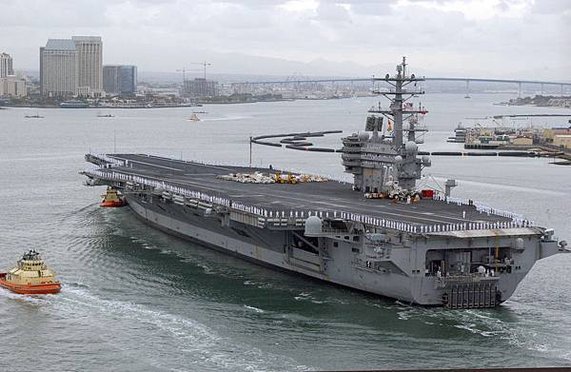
(136, 299)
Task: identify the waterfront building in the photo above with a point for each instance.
(6, 67)
(70, 67)
(562, 140)
(58, 68)
(11, 86)
(200, 87)
(558, 136)
(90, 65)
(522, 141)
(120, 79)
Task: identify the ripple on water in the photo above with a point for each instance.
(187, 340)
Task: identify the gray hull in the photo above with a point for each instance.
(271, 248)
(349, 260)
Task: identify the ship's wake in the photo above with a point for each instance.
(192, 344)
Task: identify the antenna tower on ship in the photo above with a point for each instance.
(400, 110)
(383, 163)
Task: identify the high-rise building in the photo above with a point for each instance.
(90, 64)
(120, 79)
(200, 87)
(70, 67)
(10, 85)
(5, 65)
(58, 68)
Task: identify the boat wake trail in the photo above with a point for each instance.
(179, 340)
(497, 323)
(228, 118)
(35, 300)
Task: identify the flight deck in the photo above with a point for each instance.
(315, 196)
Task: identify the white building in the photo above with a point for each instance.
(58, 68)
(12, 86)
(70, 67)
(90, 64)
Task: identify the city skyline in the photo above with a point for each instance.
(488, 38)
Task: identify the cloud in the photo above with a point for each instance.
(486, 37)
(332, 12)
(552, 6)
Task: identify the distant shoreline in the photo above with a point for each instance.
(540, 101)
(96, 107)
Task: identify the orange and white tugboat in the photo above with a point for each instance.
(112, 199)
(30, 276)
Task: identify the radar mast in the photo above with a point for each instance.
(387, 163)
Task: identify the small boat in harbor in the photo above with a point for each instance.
(30, 276)
(74, 104)
(105, 116)
(112, 199)
(37, 116)
(194, 117)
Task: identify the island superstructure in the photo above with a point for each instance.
(376, 234)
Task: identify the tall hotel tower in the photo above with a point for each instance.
(90, 64)
(72, 67)
(58, 68)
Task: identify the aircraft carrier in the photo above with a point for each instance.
(378, 234)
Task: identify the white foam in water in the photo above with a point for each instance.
(35, 299)
(257, 310)
(196, 344)
(226, 118)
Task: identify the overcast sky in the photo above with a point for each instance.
(485, 38)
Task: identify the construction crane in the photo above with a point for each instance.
(204, 64)
(183, 70)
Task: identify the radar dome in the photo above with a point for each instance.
(313, 226)
(363, 136)
(410, 147)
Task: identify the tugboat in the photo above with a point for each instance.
(112, 199)
(30, 276)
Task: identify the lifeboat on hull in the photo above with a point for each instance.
(30, 276)
(112, 199)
